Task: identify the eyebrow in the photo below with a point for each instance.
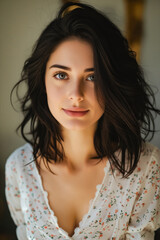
(69, 69)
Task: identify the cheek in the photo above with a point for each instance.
(53, 96)
(53, 92)
(95, 102)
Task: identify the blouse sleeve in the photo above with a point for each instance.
(145, 218)
(13, 196)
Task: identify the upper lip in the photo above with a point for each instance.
(76, 109)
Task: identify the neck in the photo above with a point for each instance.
(79, 148)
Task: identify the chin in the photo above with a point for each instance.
(74, 127)
(78, 126)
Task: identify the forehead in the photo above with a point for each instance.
(73, 51)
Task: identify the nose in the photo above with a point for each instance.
(76, 92)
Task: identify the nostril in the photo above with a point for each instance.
(74, 98)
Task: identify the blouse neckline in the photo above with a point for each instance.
(91, 202)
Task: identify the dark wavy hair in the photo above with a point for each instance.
(129, 101)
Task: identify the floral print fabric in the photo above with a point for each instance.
(122, 209)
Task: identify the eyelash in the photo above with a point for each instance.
(60, 73)
(55, 76)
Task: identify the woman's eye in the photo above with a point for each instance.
(61, 76)
(90, 78)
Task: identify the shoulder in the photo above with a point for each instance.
(19, 158)
(150, 154)
(149, 161)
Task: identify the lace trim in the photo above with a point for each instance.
(91, 203)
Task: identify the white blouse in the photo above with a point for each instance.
(122, 209)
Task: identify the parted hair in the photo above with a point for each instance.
(128, 100)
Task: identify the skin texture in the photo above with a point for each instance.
(72, 89)
(76, 88)
(78, 175)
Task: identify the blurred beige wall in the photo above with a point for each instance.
(22, 21)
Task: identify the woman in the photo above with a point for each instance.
(86, 171)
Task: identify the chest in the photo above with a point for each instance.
(69, 195)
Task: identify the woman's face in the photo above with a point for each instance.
(69, 81)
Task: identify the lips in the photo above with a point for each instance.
(76, 112)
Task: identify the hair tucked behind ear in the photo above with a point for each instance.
(119, 84)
